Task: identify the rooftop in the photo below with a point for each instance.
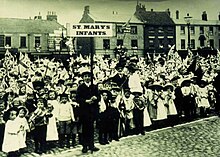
(197, 22)
(154, 17)
(109, 17)
(15, 25)
(115, 18)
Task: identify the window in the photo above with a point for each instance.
(160, 30)
(8, 41)
(202, 43)
(63, 43)
(193, 43)
(183, 44)
(23, 42)
(37, 41)
(151, 43)
(106, 44)
(170, 41)
(192, 30)
(134, 43)
(51, 42)
(119, 42)
(201, 30)
(133, 29)
(219, 44)
(151, 30)
(2, 42)
(151, 40)
(218, 30)
(160, 41)
(182, 29)
(170, 30)
(210, 30)
(119, 29)
(211, 41)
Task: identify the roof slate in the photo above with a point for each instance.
(154, 18)
(115, 18)
(15, 25)
(197, 22)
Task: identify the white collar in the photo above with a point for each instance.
(87, 84)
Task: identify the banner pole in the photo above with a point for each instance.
(91, 58)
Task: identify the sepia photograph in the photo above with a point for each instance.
(109, 78)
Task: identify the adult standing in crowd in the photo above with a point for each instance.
(88, 98)
(120, 78)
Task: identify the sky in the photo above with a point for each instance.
(70, 11)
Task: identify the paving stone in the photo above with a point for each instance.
(199, 139)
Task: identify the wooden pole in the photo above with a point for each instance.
(91, 58)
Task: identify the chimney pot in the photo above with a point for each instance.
(86, 10)
(168, 11)
(51, 16)
(204, 16)
(177, 14)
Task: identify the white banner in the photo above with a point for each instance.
(91, 30)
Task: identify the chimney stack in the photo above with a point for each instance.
(51, 16)
(177, 14)
(39, 17)
(168, 11)
(86, 10)
(140, 8)
(204, 16)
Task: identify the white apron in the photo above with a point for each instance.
(161, 110)
(24, 127)
(147, 121)
(11, 140)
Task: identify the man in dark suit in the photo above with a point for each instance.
(88, 97)
(120, 78)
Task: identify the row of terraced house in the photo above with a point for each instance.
(149, 31)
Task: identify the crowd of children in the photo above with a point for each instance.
(38, 101)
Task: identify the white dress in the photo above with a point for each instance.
(11, 140)
(202, 98)
(129, 106)
(171, 110)
(134, 83)
(52, 130)
(24, 127)
(147, 121)
(161, 110)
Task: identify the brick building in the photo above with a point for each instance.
(130, 37)
(159, 29)
(203, 32)
(29, 35)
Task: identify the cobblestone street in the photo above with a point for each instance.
(195, 139)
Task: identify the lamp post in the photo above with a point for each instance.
(187, 19)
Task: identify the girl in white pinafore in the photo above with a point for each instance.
(202, 98)
(53, 104)
(161, 109)
(129, 106)
(12, 128)
(170, 106)
(24, 127)
(147, 120)
(169, 99)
